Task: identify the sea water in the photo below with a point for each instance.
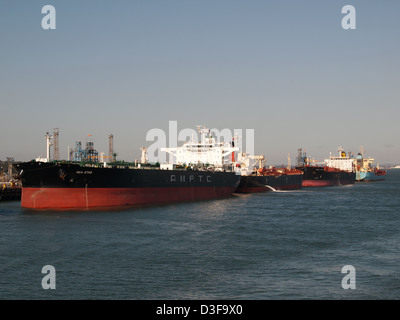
(276, 245)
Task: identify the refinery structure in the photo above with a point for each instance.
(80, 153)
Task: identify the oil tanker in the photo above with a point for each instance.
(260, 179)
(366, 172)
(87, 184)
(338, 170)
(271, 180)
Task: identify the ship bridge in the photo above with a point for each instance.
(208, 151)
(342, 161)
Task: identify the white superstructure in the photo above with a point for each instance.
(206, 152)
(246, 163)
(342, 161)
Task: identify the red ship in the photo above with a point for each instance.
(316, 176)
(60, 184)
(89, 183)
(328, 175)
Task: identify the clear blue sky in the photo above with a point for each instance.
(286, 69)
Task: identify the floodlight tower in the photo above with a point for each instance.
(111, 146)
(49, 143)
(56, 146)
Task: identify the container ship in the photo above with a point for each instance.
(365, 171)
(261, 179)
(87, 183)
(337, 170)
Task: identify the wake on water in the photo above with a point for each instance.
(285, 191)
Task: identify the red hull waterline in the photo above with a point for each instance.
(44, 198)
(324, 183)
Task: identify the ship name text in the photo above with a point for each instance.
(189, 178)
(84, 172)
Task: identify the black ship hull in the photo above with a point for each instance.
(72, 185)
(253, 183)
(315, 176)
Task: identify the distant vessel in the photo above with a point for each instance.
(365, 171)
(68, 184)
(10, 187)
(9, 192)
(337, 170)
(263, 179)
